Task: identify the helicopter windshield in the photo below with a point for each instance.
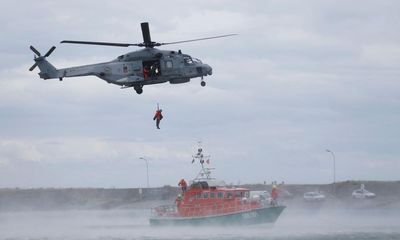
(191, 61)
(195, 60)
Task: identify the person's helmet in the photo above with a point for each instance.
(160, 110)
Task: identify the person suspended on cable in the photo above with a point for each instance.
(157, 117)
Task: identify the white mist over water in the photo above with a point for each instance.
(133, 224)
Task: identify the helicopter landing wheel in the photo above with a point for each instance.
(203, 84)
(138, 89)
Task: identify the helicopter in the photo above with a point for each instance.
(134, 69)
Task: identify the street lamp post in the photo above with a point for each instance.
(334, 169)
(147, 170)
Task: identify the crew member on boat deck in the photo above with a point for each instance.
(158, 116)
(182, 183)
(274, 195)
(178, 200)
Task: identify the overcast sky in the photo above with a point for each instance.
(301, 77)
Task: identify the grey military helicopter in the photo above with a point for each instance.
(134, 69)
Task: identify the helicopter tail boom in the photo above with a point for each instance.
(47, 70)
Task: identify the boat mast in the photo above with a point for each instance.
(205, 172)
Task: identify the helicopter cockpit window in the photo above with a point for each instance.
(195, 60)
(188, 60)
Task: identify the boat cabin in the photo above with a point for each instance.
(204, 198)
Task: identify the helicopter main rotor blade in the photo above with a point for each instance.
(198, 39)
(35, 51)
(146, 33)
(103, 43)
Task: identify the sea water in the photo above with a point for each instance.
(133, 224)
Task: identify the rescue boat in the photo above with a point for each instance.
(208, 201)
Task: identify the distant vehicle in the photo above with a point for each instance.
(314, 197)
(362, 193)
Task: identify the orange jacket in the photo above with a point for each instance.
(158, 115)
(145, 73)
(274, 193)
(182, 183)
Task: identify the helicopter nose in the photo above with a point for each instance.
(207, 69)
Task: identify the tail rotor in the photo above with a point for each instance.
(50, 51)
(33, 66)
(35, 51)
(39, 56)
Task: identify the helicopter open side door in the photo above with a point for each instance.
(151, 69)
